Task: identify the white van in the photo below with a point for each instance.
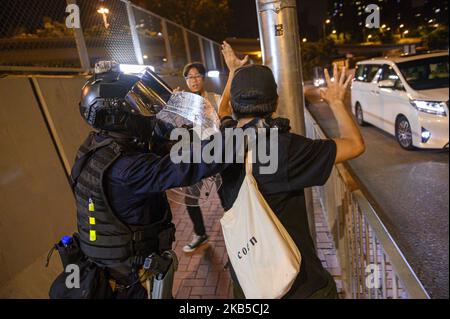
(405, 96)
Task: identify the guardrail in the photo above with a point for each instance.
(34, 37)
(372, 265)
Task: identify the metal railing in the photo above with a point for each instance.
(372, 265)
(34, 37)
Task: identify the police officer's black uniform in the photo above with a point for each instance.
(119, 182)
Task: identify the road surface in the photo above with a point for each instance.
(411, 189)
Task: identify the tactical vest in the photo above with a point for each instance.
(102, 235)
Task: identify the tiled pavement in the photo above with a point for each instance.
(201, 275)
(325, 246)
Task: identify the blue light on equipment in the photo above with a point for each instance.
(66, 240)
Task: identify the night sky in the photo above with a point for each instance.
(245, 21)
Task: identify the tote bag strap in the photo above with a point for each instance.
(249, 149)
(248, 162)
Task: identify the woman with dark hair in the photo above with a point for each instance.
(195, 74)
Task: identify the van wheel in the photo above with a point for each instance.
(403, 133)
(359, 115)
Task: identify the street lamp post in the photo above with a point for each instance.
(280, 44)
(400, 27)
(104, 12)
(405, 33)
(324, 25)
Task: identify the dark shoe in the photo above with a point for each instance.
(196, 242)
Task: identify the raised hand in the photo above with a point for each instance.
(336, 87)
(232, 61)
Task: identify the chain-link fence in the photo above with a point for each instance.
(34, 37)
(34, 34)
(107, 35)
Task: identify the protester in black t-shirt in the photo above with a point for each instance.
(251, 97)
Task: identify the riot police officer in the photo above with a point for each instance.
(119, 181)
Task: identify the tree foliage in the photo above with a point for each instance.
(206, 17)
(436, 38)
(316, 54)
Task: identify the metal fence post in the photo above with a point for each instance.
(81, 44)
(165, 32)
(134, 34)
(279, 34)
(202, 50)
(186, 45)
(211, 45)
(222, 62)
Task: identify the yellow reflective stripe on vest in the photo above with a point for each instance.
(92, 235)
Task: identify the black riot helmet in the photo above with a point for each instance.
(117, 102)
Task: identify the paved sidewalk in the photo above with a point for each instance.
(201, 275)
(325, 246)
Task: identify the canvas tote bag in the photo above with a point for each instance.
(264, 256)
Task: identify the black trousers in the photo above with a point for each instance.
(194, 211)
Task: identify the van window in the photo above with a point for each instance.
(389, 73)
(366, 72)
(426, 73)
(359, 73)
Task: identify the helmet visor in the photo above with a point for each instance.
(148, 95)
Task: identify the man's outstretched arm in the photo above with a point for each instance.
(350, 144)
